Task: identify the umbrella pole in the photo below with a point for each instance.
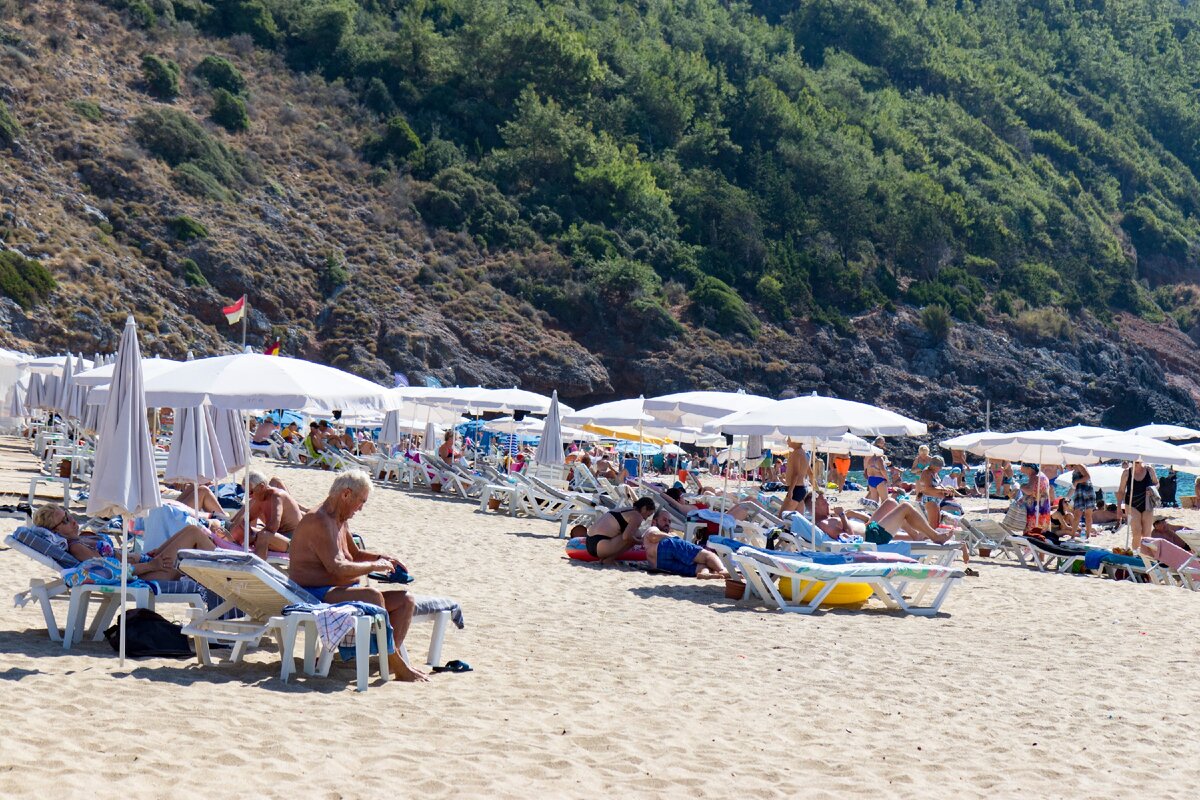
(725, 488)
(246, 491)
(126, 524)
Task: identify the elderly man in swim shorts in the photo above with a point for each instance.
(326, 561)
(274, 515)
(669, 553)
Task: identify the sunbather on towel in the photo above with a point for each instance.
(892, 520)
(274, 515)
(208, 500)
(326, 561)
(617, 531)
(671, 554)
(156, 565)
(741, 511)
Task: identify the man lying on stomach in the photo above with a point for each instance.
(326, 561)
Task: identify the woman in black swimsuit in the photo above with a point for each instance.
(615, 532)
(1134, 495)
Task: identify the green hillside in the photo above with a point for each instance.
(817, 158)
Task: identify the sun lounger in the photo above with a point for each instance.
(260, 593)
(887, 581)
(33, 543)
(1168, 564)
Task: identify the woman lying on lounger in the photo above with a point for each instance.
(157, 565)
(742, 511)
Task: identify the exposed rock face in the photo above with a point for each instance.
(339, 267)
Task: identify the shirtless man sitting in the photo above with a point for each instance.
(671, 554)
(274, 515)
(326, 561)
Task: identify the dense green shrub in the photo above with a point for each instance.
(195, 181)
(1038, 325)
(398, 141)
(378, 98)
(185, 229)
(954, 290)
(937, 320)
(715, 305)
(332, 275)
(229, 111)
(219, 73)
(770, 294)
(161, 76)
(192, 275)
(9, 129)
(459, 200)
(251, 17)
(177, 139)
(141, 13)
(24, 280)
(87, 109)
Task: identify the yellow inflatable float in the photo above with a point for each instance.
(845, 594)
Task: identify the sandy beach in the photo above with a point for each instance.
(602, 682)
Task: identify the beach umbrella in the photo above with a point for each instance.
(33, 395)
(151, 368)
(1034, 447)
(550, 448)
(390, 432)
(16, 401)
(249, 381)
(91, 413)
(819, 418)
(123, 478)
(966, 441)
(1128, 447)
(229, 428)
(1107, 478)
(618, 413)
(77, 394)
(50, 365)
(1087, 431)
(693, 409)
(847, 444)
(62, 392)
(1167, 432)
(195, 457)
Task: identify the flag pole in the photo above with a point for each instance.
(245, 303)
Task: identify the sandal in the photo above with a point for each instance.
(971, 573)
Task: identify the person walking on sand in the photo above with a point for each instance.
(875, 467)
(796, 478)
(326, 561)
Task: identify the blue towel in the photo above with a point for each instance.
(1094, 558)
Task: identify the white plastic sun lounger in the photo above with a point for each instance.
(45, 592)
(887, 581)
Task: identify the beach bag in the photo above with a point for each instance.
(148, 634)
(1153, 498)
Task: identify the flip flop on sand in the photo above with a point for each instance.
(454, 666)
(971, 573)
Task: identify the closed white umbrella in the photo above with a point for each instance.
(91, 413)
(232, 438)
(75, 398)
(1167, 432)
(33, 395)
(66, 383)
(123, 479)
(390, 432)
(194, 457)
(430, 436)
(550, 448)
(16, 401)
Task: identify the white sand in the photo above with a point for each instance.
(603, 682)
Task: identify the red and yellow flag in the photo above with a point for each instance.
(274, 349)
(235, 312)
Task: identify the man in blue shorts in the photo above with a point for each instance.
(668, 553)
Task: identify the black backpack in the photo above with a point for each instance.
(148, 634)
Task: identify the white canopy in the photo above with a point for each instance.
(1169, 432)
(1086, 431)
(816, 416)
(618, 413)
(966, 441)
(251, 381)
(1034, 447)
(151, 367)
(693, 409)
(1128, 447)
(1106, 478)
(847, 444)
(50, 365)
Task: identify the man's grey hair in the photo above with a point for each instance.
(255, 478)
(356, 480)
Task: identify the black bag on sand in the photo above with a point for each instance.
(148, 634)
